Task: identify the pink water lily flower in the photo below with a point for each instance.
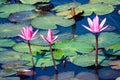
(50, 38)
(27, 33)
(95, 26)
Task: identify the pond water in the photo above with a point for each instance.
(73, 68)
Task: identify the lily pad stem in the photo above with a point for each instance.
(53, 58)
(30, 50)
(96, 55)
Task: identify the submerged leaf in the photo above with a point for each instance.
(2, 1)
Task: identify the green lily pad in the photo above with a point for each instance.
(112, 2)
(23, 17)
(7, 56)
(99, 9)
(113, 49)
(12, 8)
(33, 1)
(4, 73)
(3, 49)
(59, 54)
(10, 78)
(65, 7)
(40, 61)
(50, 22)
(15, 65)
(6, 43)
(85, 60)
(2, 1)
(10, 30)
(73, 46)
(105, 39)
(23, 47)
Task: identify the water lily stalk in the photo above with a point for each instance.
(30, 50)
(28, 34)
(51, 39)
(95, 27)
(96, 55)
(53, 58)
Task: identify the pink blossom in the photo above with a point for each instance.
(50, 38)
(27, 33)
(95, 26)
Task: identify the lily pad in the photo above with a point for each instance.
(112, 2)
(65, 7)
(6, 43)
(105, 39)
(2, 1)
(10, 30)
(23, 47)
(50, 22)
(86, 60)
(13, 65)
(4, 73)
(99, 9)
(7, 56)
(40, 61)
(23, 17)
(12, 8)
(59, 54)
(68, 14)
(3, 49)
(73, 46)
(33, 1)
(113, 49)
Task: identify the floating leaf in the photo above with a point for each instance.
(9, 56)
(12, 8)
(73, 46)
(12, 65)
(10, 30)
(3, 49)
(105, 39)
(23, 47)
(86, 60)
(10, 78)
(113, 49)
(23, 17)
(59, 54)
(99, 9)
(112, 2)
(65, 7)
(4, 73)
(50, 22)
(6, 43)
(40, 61)
(2, 1)
(33, 1)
